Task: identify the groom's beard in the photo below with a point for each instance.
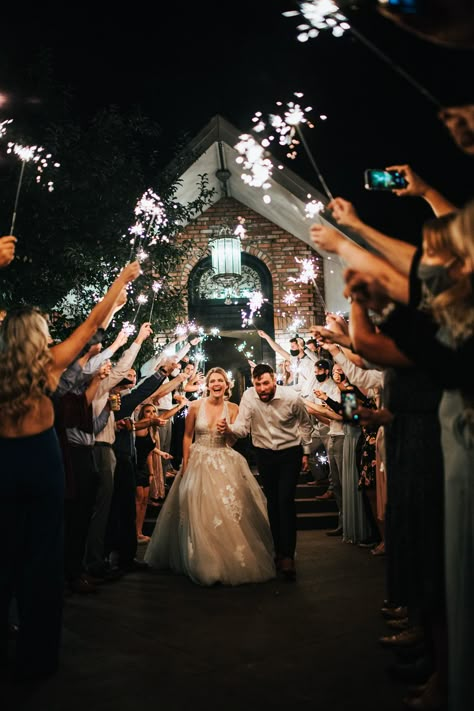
(266, 397)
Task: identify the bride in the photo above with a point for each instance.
(213, 526)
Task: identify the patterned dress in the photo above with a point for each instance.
(214, 526)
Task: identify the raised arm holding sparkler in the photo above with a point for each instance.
(7, 250)
(274, 345)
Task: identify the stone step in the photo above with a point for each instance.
(310, 505)
(316, 521)
(303, 491)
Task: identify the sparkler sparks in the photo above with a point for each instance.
(285, 127)
(319, 15)
(308, 271)
(151, 218)
(313, 208)
(255, 303)
(141, 300)
(290, 298)
(29, 154)
(287, 124)
(34, 154)
(156, 286)
(128, 328)
(308, 275)
(326, 15)
(258, 169)
(296, 324)
(3, 126)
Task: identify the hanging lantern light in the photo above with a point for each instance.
(226, 257)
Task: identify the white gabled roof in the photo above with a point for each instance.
(213, 150)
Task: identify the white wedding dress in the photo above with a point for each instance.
(214, 526)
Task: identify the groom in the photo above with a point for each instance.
(281, 431)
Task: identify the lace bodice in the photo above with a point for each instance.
(203, 436)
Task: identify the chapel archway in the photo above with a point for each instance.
(212, 305)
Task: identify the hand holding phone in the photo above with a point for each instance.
(349, 406)
(380, 179)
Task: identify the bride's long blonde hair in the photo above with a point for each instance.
(25, 362)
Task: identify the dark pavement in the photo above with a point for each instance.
(158, 641)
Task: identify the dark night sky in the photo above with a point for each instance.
(184, 62)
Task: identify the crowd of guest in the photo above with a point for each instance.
(82, 454)
(402, 475)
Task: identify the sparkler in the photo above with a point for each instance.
(296, 324)
(142, 299)
(151, 216)
(28, 154)
(290, 298)
(326, 15)
(313, 208)
(286, 128)
(3, 125)
(156, 286)
(128, 328)
(181, 330)
(307, 275)
(255, 303)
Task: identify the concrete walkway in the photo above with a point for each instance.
(158, 641)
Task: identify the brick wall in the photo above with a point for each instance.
(276, 248)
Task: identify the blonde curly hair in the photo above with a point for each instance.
(25, 362)
(454, 307)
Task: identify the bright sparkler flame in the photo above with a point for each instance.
(296, 324)
(290, 298)
(142, 299)
(181, 330)
(3, 125)
(320, 15)
(308, 272)
(313, 208)
(137, 229)
(156, 286)
(150, 205)
(151, 216)
(287, 124)
(255, 303)
(128, 328)
(200, 356)
(258, 169)
(283, 126)
(142, 255)
(32, 154)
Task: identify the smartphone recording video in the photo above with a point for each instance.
(379, 179)
(349, 407)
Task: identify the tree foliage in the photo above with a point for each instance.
(74, 240)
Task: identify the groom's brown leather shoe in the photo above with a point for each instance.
(287, 568)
